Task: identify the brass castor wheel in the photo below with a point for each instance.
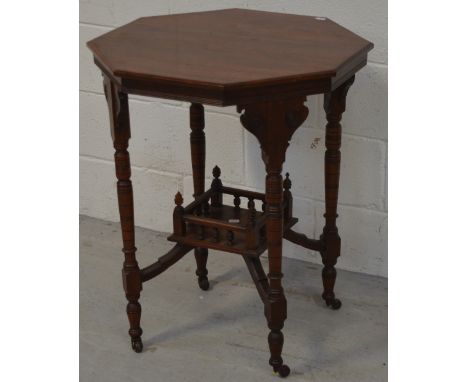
(282, 370)
(137, 345)
(204, 284)
(334, 303)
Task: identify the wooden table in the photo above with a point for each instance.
(265, 64)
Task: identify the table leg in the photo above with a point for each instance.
(198, 151)
(334, 105)
(276, 307)
(274, 123)
(120, 130)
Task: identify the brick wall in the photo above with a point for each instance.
(159, 147)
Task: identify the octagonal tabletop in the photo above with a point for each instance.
(229, 57)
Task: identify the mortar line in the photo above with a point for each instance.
(366, 138)
(84, 23)
(92, 158)
(91, 92)
(156, 100)
(347, 205)
(380, 140)
(181, 107)
(380, 64)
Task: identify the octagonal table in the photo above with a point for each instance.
(266, 64)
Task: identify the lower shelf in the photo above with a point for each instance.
(208, 223)
(222, 242)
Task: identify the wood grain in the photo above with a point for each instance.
(229, 56)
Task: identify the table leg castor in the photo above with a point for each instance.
(333, 303)
(201, 257)
(137, 345)
(203, 283)
(282, 370)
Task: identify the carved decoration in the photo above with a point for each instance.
(274, 121)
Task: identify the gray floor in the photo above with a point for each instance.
(221, 334)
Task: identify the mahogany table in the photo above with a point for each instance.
(265, 64)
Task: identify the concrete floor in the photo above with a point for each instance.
(221, 334)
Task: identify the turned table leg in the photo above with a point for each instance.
(120, 131)
(334, 105)
(274, 123)
(276, 307)
(198, 151)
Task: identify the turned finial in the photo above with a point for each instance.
(287, 182)
(216, 188)
(178, 199)
(216, 172)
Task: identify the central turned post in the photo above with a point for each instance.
(198, 151)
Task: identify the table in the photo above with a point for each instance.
(266, 64)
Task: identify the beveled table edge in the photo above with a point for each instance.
(238, 93)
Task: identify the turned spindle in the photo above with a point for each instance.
(251, 235)
(237, 202)
(201, 233)
(252, 211)
(215, 235)
(230, 238)
(287, 197)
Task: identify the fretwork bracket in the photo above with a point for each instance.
(273, 123)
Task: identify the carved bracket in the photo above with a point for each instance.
(117, 102)
(273, 123)
(335, 102)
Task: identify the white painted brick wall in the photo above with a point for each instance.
(159, 147)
